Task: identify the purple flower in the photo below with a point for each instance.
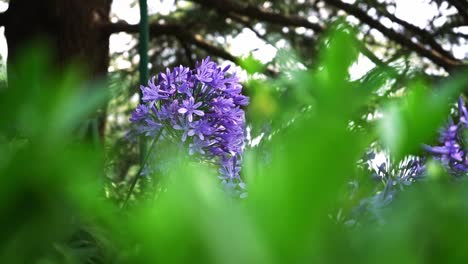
(452, 151)
(201, 108)
(229, 168)
(241, 99)
(184, 89)
(222, 104)
(190, 108)
(167, 81)
(201, 129)
(181, 73)
(204, 71)
(183, 126)
(149, 128)
(391, 178)
(463, 113)
(199, 146)
(168, 111)
(140, 113)
(152, 93)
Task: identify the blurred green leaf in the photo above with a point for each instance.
(251, 65)
(415, 119)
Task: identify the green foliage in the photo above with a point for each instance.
(54, 208)
(415, 119)
(251, 65)
(49, 180)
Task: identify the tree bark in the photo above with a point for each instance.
(71, 28)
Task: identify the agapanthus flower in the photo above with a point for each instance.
(452, 150)
(201, 109)
(392, 178)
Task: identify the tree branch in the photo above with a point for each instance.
(461, 6)
(198, 40)
(188, 53)
(240, 8)
(246, 23)
(435, 56)
(156, 29)
(3, 18)
(420, 33)
(436, 53)
(180, 32)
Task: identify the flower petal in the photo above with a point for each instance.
(197, 105)
(199, 112)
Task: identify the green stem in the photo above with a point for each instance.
(137, 176)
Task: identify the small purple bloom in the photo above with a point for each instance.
(200, 129)
(140, 113)
(149, 128)
(463, 113)
(181, 74)
(184, 88)
(229, 168)
(185, 127)
(152, 92)
(452, 151)
(190, 108)
(199, 146)
(204, 71)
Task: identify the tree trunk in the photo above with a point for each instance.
(72, 29)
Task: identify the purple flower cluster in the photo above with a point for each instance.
(200, 108)
(452, 151)
(392, 178)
